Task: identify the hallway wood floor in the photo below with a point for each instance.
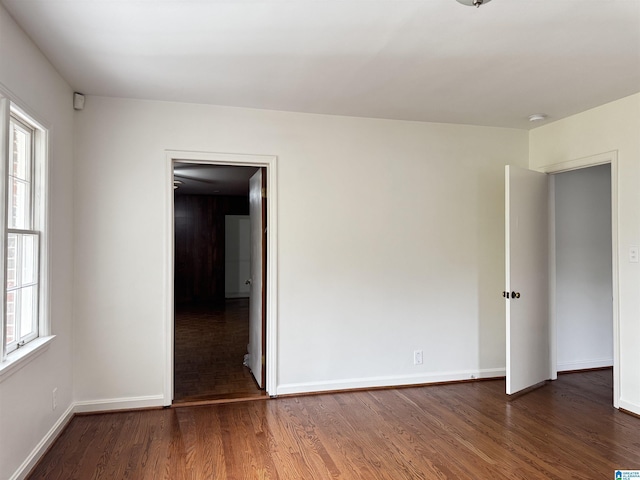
(210, 343)
(566, 429)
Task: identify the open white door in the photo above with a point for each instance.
(257, 212)
(527, 278)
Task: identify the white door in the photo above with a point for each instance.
(527, 278)
(237, 256)
(257, 212)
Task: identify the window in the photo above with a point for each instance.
(22, 210)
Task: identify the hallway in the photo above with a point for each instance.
(210, 344)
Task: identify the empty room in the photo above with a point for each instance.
(431, 268)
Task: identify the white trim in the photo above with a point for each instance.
(630, 407)
(233, 159)
(592, 161)
(5, 116)
(585, 364)
(24, 110)
(43, 164)
(578, 163)
(389, 381)
(23, 356)
(128, 403)
(11, 104)
(168, 282)
(43, 445)
(551, 247)
(507, 274)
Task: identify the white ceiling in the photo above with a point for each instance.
(428, 60)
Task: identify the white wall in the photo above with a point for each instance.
(391, 238)
(583, 268)
(26, 414)
(614, 126)
(237, 255)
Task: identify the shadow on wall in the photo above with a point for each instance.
(491, 270)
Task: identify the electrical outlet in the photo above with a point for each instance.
(417, 357)
(54, 398)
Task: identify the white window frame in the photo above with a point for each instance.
(11, 360)
(30, 229)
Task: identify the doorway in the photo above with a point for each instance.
(211, 323)
(207, 327)
(531, 211)
(583, 268)
(611, 159)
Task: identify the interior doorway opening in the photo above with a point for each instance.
(212, 280)
(269, 166)
(610, 159)
(583, 297)
(530, 210)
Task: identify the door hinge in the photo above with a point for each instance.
(264, 360)
(264, 193)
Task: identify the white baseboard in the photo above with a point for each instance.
(389, 381)
(585, 364)
(629, 407)
(43, 445)
(292, 388)
(82, 407)
(119, 404)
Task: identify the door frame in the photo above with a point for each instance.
(567, 166)
(270, 162)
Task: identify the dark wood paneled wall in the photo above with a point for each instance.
(199, 245)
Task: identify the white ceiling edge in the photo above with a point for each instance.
(435, 61)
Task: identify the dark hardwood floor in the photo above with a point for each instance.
(210, 344)
(566, 429)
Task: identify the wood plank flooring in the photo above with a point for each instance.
(566, 429)
(210, 343)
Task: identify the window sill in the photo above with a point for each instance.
(23, 356)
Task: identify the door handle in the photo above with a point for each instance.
(511, 295)
(248, 282)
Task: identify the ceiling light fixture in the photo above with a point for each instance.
(473, 3)
(537, 117)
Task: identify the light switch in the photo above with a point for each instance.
(634, 254)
